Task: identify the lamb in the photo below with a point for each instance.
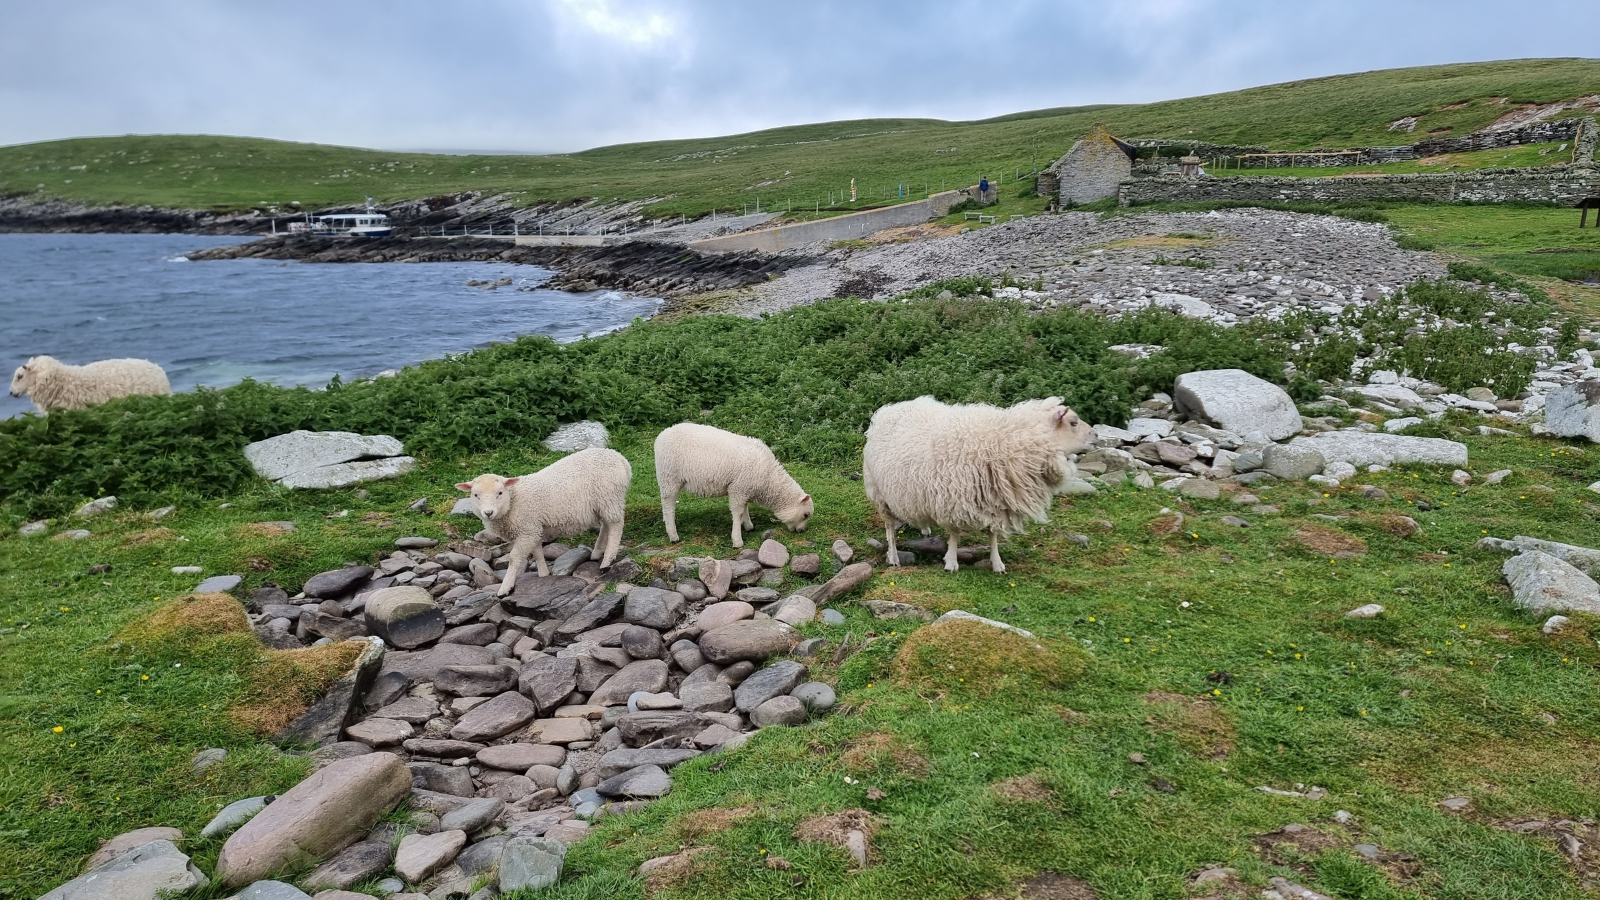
(710, 462)
(53, 384)
(970, 467)
(588, 489)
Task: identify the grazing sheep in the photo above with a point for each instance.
(53, 384)
(710, 462)
(971, 467)
(588, 489)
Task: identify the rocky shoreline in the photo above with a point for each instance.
(640, 267)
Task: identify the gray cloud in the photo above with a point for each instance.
(569, 74)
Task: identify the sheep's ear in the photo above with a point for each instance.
(511, 481)
(1060, 415)
(464, 486)
(804, 497)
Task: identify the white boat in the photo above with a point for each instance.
(362, 224)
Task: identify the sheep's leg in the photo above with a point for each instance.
(893, 555)
(669, 510)
(519, 559)
(950, 562)
(613, 541)
(538, 556)
(736, 507)
(994, 552)
(749, 525)
(599, 541)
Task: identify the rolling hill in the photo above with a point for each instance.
(797, 164)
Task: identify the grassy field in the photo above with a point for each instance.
(1220, 654)
(795, 166)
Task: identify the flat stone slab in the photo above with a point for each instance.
(218, 584)
(140, 874)
(1543, 583)
(131, 840)
(1236, 401)
(1362, 449)
(279, 457)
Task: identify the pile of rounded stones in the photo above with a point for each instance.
(523, 717)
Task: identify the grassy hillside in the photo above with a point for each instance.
(1196, 660)
(799, 164)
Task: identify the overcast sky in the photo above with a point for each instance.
(553, 75)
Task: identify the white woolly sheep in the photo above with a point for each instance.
(53, 384)
(710, 462)
(588, 489)
(971, 467)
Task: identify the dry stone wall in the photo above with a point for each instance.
(1566, 186)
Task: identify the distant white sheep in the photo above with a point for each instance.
(588, 489)
(710, 462)
(967, 468)
(53, 384)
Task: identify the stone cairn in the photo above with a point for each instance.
(510, 723)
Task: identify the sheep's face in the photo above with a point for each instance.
(797, 516)
(22, 380)
(491, 493)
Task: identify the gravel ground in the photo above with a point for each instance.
(1260, 260)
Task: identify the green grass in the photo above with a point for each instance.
(1445, 694)
(1541, 241)
(799, 164)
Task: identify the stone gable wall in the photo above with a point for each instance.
(1092, 169)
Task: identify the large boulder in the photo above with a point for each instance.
(585, 435)
(1362, 449)
(340, 704)
(748, 639)
(404, 616)
(1583, 559)
(327, 459)
(654, 608)
(316, 818)
(143, 873)
(531, 863)
(1236, 401)
(1574, 410)
(1542, 583)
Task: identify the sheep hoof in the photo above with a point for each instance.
(951, 567)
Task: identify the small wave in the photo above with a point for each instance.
(177, 259)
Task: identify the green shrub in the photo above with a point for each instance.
(1414, 242)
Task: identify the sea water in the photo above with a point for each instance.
(83, 297)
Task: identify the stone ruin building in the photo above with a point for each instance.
(1091, 170)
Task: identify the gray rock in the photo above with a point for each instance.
(1574, 410)
(548, 681)
(1371, 610)
(34, 529)
(848, 579)
(234, 815)
(1236, 401)
(483, 856)
(380, 732)
(843, 552)
(74, 534)
(130, 840)
(618, 761)
(1542, 583)
(816, 695)
(1362, 449)
(1292, 462)
(340, 703)
(832, 617)
(775, 680)
(205, 759)
(96, 507)
(309, 459)
(421, 855)
(748, 639)
(640, 642)
(643, 783)
(692, 590)
(336, 583)
(542, 597)
(564, 565)
(593, 614)
(654, 608)
(772, 554)
(415, 543)
(218, 584)
(575, 436)
(1555, 624)
(889, 609)
(272, 890)
(717, 576)
(478, 634)
(520, 757)
(472, 817)
(404, 616)
(783, 710)
(649, 675)
(500, 716)
(1583, 559)
(531, 863)
(354, 864)
(140, 874)
(710, 696)
(796, 610)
